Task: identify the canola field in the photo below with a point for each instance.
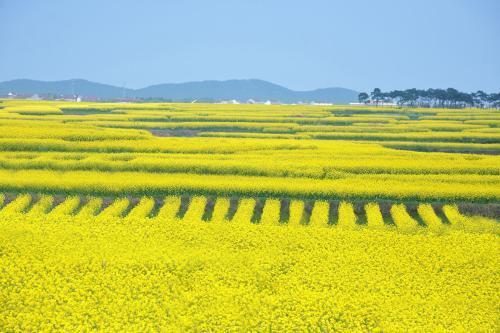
(199, 217)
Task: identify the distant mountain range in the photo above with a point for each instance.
(241, 90)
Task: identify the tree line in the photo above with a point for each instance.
(441, 98)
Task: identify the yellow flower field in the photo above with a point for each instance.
(205, 217)
(69, 273)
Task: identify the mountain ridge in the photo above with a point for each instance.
(238, 89)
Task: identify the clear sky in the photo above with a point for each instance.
(391, 44)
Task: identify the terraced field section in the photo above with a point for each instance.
(404, 218)
(198, 217)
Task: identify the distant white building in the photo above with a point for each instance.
(232, 101)
(35, 97)
(324, 104)
(373, 103)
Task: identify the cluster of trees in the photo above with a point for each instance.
(446, 98)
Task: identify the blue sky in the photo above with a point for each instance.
(391, 44)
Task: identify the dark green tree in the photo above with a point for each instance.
(363, 97)
(376, 95)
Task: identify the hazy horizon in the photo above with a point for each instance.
(424, 44)
(175, 83)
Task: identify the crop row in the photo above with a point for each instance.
(257, 211)
(243, 165)
(406, 133)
